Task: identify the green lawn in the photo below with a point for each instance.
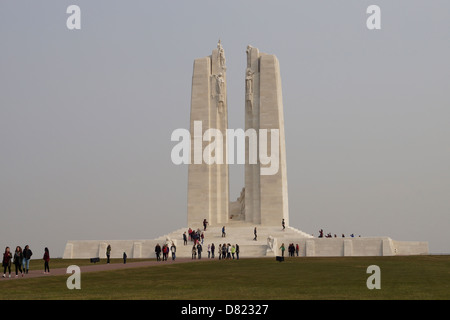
(414, 277)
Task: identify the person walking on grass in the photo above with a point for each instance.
(27, 253)
(18, 256)
(46, 260)
(6, 262)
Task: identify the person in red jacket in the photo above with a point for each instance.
(46, 260)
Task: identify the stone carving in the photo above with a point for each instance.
(248, 51)
(222, 59)
(249, 89)
(220, 88)
(270, 242)
(249, 81)
(220, 83)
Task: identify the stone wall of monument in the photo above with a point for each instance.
(208, 185)
(266, 200)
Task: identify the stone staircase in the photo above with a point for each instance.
(237, 232)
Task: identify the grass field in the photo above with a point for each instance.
(409, 277)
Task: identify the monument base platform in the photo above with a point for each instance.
(268, 243)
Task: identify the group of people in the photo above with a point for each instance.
(165, 251)
(225, 251)
(328, 235)
(108, 255)
(21, 260)
(195, 236)
(292, 249)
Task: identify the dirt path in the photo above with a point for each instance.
(97, 267)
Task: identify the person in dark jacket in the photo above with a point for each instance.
(199, 250)
(6, 262)
(158, 252)
(108, 254)
(184, 238)
(46, 260)
(18, 257)
(27, 253)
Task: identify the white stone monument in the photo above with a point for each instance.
(263, 202)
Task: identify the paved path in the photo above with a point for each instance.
(98, 267)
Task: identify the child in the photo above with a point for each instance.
(6, 263)
(46, 260)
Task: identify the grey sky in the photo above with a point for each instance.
(86, 116)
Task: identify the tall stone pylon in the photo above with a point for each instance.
(266, 195)
(208, 183)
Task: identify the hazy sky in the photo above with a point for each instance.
(86, 115)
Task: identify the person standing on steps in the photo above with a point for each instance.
(283, 224)
(184, 238)
(237, 251)
(223, 232)
(254, 232)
